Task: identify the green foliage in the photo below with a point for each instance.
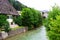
(2, 20)
(53, 24)
(18, 27)
(6, 27)
(3, 23)
(18, 20)
(31, 18)
(26, 16)
(36, 19)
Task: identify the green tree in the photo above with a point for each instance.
(2, 20)
(31, 18)
(53, 24)
(37, 19)
(27, 16)
(3, 23)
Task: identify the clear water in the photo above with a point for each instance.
(38, 34)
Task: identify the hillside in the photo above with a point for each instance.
(17, 5)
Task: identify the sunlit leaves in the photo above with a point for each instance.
(53, 24)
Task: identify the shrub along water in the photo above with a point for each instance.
(30, 18)
(53, 24)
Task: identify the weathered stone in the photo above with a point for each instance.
(4, 34)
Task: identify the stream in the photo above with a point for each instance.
(38, 34)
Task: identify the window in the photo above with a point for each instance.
(9, 16)
(11, 23)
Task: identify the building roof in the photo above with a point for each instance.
(7, 8)
(45, 11)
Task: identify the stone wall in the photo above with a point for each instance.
(13, 32)
(0, 37)
(18, 31)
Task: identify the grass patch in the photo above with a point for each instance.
(16, 27)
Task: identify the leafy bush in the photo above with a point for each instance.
(53, 24)
(6, 27)
(36, 19)
(2, 20)
(31, 18)
(3, 23)
(17, 20)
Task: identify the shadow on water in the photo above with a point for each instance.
(38, 34)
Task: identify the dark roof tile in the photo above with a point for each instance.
(7, 8)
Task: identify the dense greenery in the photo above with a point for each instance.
(36, 18)
(3, 23)
(29, 17)
(17, 5)
(18, 20)
(2, 20)
(53, 24)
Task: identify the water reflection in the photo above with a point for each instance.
(38, 34)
